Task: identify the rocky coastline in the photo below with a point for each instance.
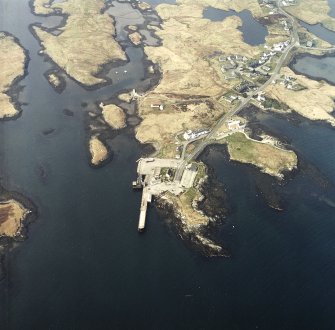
(103, 69)
(7, 242)
(14, 88)
(212, 204)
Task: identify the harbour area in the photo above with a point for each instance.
(156, 176)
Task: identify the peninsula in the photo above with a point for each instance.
(189, 110)
(269, 158)
(12, 59)
(314, 99)
(313, 12)
(86, 42)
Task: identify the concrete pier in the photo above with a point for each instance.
(147, 170)
(146, 198)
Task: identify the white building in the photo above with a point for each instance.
(231, 98)
(279, 47)
(235, 125)
(158, 106)
(260, 97)
(190, 135)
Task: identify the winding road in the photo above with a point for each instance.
(294, 42)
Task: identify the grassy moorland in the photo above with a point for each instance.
(270, 159)
(86, 42)
(12, 59)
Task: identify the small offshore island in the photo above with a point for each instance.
(261, 154)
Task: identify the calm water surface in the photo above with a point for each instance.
(84, 266)
(157, 2)
(254, 33)
(320, 31)
(332, 8)
(318, 67)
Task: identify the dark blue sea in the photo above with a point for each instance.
(84, 265)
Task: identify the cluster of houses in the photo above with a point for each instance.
(280, 46)
(265, 57)
(285, 3)
(232, 64)
(273, 3)
(236, 65)
(245, 87)
(237, 58)
(289, 82)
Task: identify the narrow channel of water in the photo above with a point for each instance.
(320, 31)
(254, 33)
(154, 3)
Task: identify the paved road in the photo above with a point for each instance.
(293, 43)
